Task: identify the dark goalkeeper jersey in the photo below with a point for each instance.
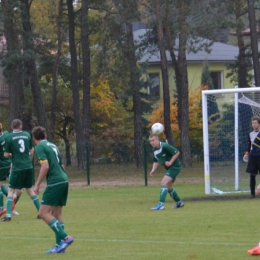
(254, 144)
(165, 153)
(46, 150)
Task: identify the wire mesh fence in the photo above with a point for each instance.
(115, 161)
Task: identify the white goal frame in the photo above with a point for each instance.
(205, 94)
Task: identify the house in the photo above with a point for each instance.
(220, 54)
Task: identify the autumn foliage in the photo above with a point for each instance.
(195, 116)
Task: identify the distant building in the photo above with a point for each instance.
(220, 54)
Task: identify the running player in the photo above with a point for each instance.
(5, 165)
(56, 192)
(18, 147)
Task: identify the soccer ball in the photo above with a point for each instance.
(157, 128)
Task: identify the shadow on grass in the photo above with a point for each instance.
(222, 197)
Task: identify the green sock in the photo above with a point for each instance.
(1, 200)
(163, 193)
(36, 202)
(9, 202)
(57, 228)
(174, 195)
(4, 189)
(58, 239)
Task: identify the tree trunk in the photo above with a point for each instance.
(75, 88)
(30, 64)
(183, 106)
(86, 124)
(253, 37)
(165, 78)
(134, 82)
(56, 72)
(66, 141)
(181, 74)
(14, 68)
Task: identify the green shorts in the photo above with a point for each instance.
(21, 179)
(173, 172)
(56, 195)
(4, 173)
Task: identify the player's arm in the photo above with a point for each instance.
(248, 144)
(175, 154)
(43, 172)
(31, 152)
(6, 149)
(174, 157)
(154, 168)
(247, 152)
(7, 155)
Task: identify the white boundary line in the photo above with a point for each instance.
(132, 241)
(217, 191)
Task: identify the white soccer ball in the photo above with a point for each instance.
(157, 128)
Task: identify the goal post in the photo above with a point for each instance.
(226, 121)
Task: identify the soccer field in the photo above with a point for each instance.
(116, 223)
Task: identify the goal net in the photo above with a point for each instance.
(227, 117)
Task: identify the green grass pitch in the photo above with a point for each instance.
(116, 223)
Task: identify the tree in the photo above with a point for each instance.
(55, 74)
(86, 122)
(206, 83)
(236, 18)
(12, 61)
(30, 64)
(181, 74)
(184, 25)
(75, 87)
(254, 44)
(128, 11)
(164, 69)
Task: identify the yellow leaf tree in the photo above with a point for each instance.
(195, 119)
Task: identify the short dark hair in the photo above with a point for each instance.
(256, 118)
(153, 135)
(16, 124)
(39, 133)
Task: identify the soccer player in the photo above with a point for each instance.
(5, 165)
(167, 155)
(18, 147)
(252, 153)
(56, 192)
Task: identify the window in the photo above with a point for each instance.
(154, 86)
(217, 81)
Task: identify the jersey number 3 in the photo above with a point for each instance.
(22, 147)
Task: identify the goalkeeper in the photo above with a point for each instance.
(252, 154)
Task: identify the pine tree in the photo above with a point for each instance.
(206, 83)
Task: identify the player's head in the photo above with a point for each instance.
(154, 140)
(1, 128)
(256, 123)
(17, 124)
(39, 133)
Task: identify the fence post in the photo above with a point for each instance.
(145, 162)
(87, 163)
